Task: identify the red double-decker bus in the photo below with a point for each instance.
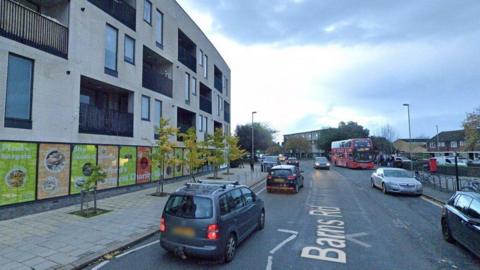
(353, 153)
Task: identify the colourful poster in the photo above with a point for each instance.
(144, 166)
(178, 168)
(156, 171)
(17, 172)
(108, 161)
(84, 157)
(127, 165)
(53, 170)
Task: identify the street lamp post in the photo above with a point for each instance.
(409, 136)
(253, 141)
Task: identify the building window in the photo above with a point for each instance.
(157, 114)
(159, 29)
(432, 145)
(205, 66)
(200, 56)
(453, 144)
(129, 50)
(206, 124)
(193, 86)
(219, 104)
(462, 143)
(145, 108)
(226, 86)
(200, 122)
(18, 107)
(187, 88)
(441, 144)
(147, 11)
(111, 45)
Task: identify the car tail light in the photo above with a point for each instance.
(291, 177)
(269, 177)
(163, 228)
(213, 232)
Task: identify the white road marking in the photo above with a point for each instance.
(269, 263)
(352, 236)
(432, 202)
(138, 248)
(100, 265)
(261, 190)
(279, 246)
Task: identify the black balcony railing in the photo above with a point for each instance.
(31, 28)
(205, 104)
(218, 83)
(187, 58)
(118, 9)
(156, 82)
(106, 122)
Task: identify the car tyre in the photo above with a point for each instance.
(372, 183)
(230, 248)
(261, 220)
(447, 235)
(384, 188)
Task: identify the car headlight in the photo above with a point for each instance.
(317, 164)
(328, 164)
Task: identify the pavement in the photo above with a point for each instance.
(337, 211)
(59, 240)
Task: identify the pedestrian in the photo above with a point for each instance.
(252, 163)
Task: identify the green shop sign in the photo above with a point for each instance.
(17, 172)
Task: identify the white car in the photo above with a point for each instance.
(450, 161)
(394, 180)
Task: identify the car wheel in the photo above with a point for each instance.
(261, 221)
(230, 248)
(384, 189)
(447, 235)
(372, 183)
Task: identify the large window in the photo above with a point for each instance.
(111, 40)
(187, 88)
(200, 122)
(205, 66)
(145, 108)
(219, 104)
(159, 28)
(200, 57)
(129, 50)
(18, 107)
(157, 114)
(147, 11)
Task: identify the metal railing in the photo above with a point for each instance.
(157, 82)
(93, 120)
(186, 58)
(31, 28)
(205, 104)
(119, 9)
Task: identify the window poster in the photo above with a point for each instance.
(84, 157)
(143, 165)
(127, 165)
(53, 170)
(108, 161)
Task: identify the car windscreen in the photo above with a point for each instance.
(188, 206)
(396, 173)
(321, 159)
(270, 159)
(280, 172)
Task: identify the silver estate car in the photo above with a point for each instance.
(394, 180)
(209, 219)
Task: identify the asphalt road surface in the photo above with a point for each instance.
(336, 222)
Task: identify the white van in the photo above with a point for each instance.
(450, 161)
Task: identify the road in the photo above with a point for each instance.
(381, 232)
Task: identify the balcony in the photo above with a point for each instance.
(34, 29)
(205, 99)
(106, 122)
(185, 120)
(157, 73)
(122, 10)
(187, 51)
(218, 79)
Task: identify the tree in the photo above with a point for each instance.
(214, 150)
(163, 151)
(274, 149)
(193, 154)
(388, 133)
(234, 150)
(344, 131)
(263, 136)
(298, 145)
(90, 186)
(471, 125)
(382, 144)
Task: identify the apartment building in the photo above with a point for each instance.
(448, 143)
(312, 137)
(101, 73)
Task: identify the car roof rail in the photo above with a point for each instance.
(218, 182)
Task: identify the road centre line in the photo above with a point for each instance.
(279, 246)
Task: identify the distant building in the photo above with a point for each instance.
(312, 137)
(418, 146)
(450, 142)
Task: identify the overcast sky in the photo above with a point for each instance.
(308, 64)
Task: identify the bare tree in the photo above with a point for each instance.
(388, 133)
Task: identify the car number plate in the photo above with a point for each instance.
(278, 180)
(187, 232)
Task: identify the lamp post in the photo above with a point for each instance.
(253, 141)
(409, 136)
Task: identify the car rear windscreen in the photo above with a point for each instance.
(321, 159)
(270, 159)
(280, 172)
(188, 206)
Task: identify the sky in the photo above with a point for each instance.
(309, 64)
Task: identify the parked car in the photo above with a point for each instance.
(321, 163)
(395, 180)
(293, 161)
(461, 220)
(268, 162)
(285, 177)
(450, 161)
(209, 219)
(282, 158)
